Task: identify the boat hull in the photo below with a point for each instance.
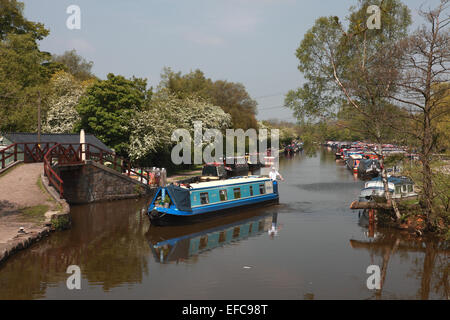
(161, 218)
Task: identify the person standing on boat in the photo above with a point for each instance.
(273, 174)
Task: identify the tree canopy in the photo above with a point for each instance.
(12, 21)
(75, 64)
(108, 107)
(232, 97)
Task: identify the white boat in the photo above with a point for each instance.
(399, 187)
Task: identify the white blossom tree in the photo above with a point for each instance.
(66, 92)
(151, 129)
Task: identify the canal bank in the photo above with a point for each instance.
(310, 246)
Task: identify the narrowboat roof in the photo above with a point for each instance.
(396, 180)
(227, 182)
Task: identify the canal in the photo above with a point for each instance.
(310, 246)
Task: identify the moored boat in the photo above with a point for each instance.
(369, 168)
(400, 188)
(353, 161)
(172, 204)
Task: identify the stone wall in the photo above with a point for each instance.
(93, 182)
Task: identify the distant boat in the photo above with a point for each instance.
(173, 204)
(353, 161)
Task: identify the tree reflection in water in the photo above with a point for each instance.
(106, 242)
(431, 265)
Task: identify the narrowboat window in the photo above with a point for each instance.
(398, 189)
(237, 193)
(410, 188)
(262, 189)
(204, 198)
(223, 195)
(251, 190)
(404, 188)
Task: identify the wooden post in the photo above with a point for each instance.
(15, 152)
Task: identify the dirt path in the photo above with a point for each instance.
(18, 190)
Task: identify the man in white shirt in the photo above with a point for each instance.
(273, 174)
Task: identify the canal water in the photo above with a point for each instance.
(310, 246)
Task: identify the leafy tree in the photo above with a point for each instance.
(23, 80)
(75, 64)
(349, 68)
(230, 96)
(12, 21)
(235, 100)
(24, 69)
(108, 108)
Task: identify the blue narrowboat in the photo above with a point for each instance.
(180, 203)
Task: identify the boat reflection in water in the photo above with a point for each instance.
(178, 243)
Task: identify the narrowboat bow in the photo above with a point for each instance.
(179, 203)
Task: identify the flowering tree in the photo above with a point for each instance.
(66, 92)
(152, 128)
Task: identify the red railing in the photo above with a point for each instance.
(54, 154)
(52, 176)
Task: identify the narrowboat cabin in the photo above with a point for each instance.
(369, 168)
(186, 202)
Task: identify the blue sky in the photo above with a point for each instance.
(248, 41)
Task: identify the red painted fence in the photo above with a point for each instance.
(54, 154)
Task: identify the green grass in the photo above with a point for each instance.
(42, 188)
(35, 213)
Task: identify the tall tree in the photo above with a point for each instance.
(66, 92)
(12, 21)
(109, 106)
(75, 64)
(22, 79)
(422, 84)
(232, 97)
(23, 71)
(346, 69)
